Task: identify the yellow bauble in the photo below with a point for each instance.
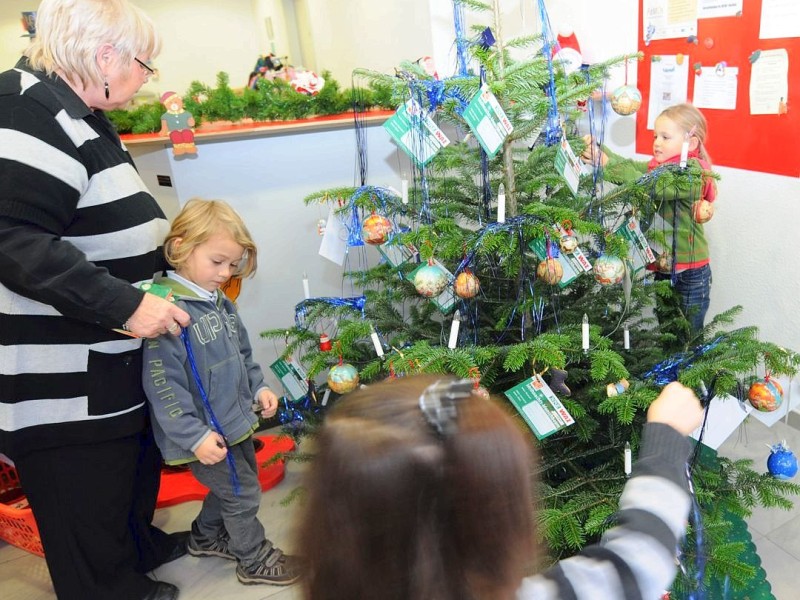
(466, 285)
(550, 271)
(376, 229)
(343, 378)
(702, 211)
(626, 100)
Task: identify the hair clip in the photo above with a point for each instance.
(438, 404)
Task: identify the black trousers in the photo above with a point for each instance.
(94, 504)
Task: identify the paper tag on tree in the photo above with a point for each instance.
(415, 133)
(488, 121)
(293, 378)
(568, 166)
(642, 254)
(539, 407)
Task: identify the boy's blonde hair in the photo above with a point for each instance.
(69, 32)
(200, 219)
(689, 118)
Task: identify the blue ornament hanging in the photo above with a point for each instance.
(782, 463)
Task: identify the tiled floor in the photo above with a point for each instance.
(776, 534)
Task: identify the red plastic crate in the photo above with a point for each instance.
(18, 527)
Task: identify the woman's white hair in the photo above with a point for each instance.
(69, 33)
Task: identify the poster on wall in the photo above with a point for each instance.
(710, 9)
(779, 19)
(769, 83)
(715, 87)
(669, 84)
(667, 19)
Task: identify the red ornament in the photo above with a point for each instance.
(325, 344)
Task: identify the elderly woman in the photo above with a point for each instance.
(77, 229)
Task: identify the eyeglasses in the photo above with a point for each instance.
(147, 68)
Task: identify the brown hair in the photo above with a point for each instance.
(690, 119)
(396, 511)
(197, 221)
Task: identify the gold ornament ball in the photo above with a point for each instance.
(702, 211)
(343, 378)
(376, 229)
(466, 285)
(568, 243)
(550, 271)
(664, 263)
(626, 100)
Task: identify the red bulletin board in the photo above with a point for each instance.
(766, 143)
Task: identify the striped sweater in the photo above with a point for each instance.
(77, 228)
(636, 559)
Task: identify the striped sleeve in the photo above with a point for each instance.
(636, 559)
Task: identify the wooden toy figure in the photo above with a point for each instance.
(178, 123)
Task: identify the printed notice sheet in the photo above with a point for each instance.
(769, 83)
(715, 87)
(779, 19)
(709, 9)
(667, 19)
(669, 84)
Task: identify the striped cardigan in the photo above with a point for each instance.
(77, 228)
(636, 559)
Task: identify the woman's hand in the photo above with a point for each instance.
(155, 316)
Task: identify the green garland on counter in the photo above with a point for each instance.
(274, 100)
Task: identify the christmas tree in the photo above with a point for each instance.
(486, 273)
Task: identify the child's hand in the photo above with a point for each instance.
(592, 154)
(211, 450)
(269, 403)
(678, 407)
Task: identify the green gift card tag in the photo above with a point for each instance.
(293, 377)
(642, 254)
(488, 121)
(417, 135)
(568, 165)
(539, 407)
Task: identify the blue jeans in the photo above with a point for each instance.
(693, 288)
(223, 510)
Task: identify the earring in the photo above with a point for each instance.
(105, 84)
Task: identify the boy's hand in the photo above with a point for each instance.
(212, 449)
(678, 407)
(269, 403)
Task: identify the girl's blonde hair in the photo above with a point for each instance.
(197, 222)
(69, 33)
(689, 118)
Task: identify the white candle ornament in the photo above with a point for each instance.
(626, 339)
(404, 190)
(376, 341)
(501, 204)
(453, 341)
(628, 461)
(585, 333)
(306, 291)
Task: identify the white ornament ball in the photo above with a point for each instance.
(626, 100)
(608, 270)
(430, 280)
(568, 243)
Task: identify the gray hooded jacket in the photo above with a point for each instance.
(223, 359)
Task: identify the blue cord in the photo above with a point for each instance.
(229, 456)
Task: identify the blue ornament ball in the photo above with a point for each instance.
(782, 463)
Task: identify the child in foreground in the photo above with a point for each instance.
(679, 136)
(202, 401)
(423, 489)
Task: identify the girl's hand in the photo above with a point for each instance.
(592, 154)
(212, 449)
